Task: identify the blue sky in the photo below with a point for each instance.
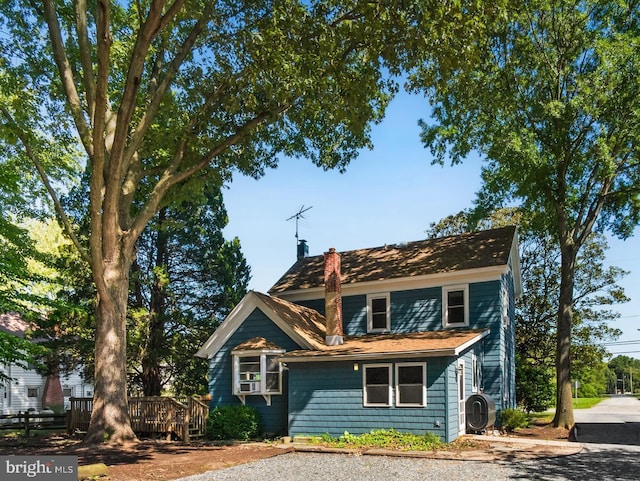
(388, 195)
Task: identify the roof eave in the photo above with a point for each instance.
(328, 356)
(403, 283)
(236, 317)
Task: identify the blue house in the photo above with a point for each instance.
(398, 336)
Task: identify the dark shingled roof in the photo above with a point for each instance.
(488, 248)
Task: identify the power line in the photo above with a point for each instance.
(618, 343)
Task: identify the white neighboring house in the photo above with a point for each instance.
(26, 389)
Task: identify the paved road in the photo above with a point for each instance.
(615, 420)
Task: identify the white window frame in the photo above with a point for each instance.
(260, 383)
(365, 401)
(505, 307)
(475, 374)
(462, 396)
(370, 298)
(400, 365)
(445, 305)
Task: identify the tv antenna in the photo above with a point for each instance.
(298, 215)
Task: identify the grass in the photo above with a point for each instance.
(586, 402)
(546, 417)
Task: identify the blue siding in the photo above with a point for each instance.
(257, 324)
(509, 342)
(485, 312)
(451, 381)
(416, 310)
(327, 397)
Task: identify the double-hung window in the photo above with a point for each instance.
(257, 373)
(378, 313)
(411, 384)
(377, 385)
(455, 306)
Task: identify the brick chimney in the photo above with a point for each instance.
(333, 298)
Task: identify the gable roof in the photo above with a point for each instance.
(306, 327)
(446, 342)
(13, 324)
(474, 250)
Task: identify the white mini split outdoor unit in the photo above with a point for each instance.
(249, 386)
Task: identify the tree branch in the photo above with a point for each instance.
(85, 54)
(66, 75)
(45, 180)
(172, 177)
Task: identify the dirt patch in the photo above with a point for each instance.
(151, 460)
(542, 431)
(148, 460)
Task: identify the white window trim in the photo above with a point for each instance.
(474, 373)
(462, 392)
(505, 307)
(424, 384)
(263, 374)
(370, 298)
(445, 307)
(365, 402)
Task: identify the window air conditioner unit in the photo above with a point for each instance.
(249, 386)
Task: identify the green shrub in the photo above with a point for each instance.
(234, 422)
(512, 419)
(534, 386)
(385, 438)
(588, 390)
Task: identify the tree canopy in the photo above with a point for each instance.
(551, 98)
(596, 292)
(168, 97)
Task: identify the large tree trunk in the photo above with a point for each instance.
(564, 401)
(110, 416)
(153, 352)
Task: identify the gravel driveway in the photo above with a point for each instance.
(322, 467)
(597, 462)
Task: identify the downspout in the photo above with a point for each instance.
(447, 406)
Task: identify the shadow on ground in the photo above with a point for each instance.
(609, 433)
(590, 464)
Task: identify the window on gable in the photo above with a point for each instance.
(455, 306)
(411, 384)
(33, 392)
(377, 385)
(378, 309)
(257, 373)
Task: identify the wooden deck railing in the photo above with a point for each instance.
(151, 415)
